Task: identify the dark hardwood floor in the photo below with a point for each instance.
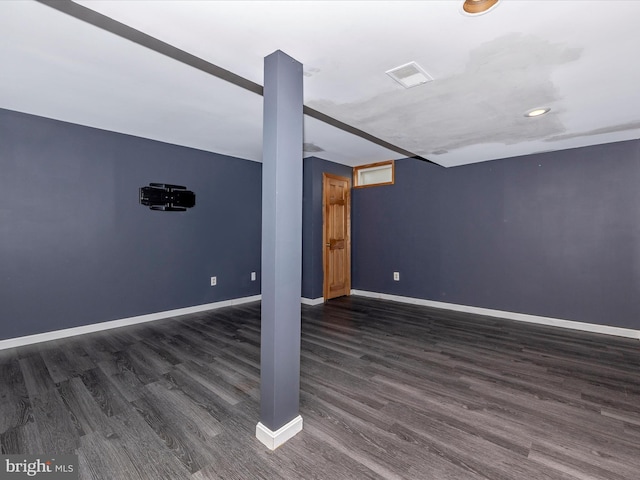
(389, 391)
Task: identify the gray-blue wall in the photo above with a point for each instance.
(77, 248)
(555, 234)
(312, 242)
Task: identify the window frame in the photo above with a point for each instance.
(377, 165)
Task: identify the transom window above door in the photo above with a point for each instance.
(374, 174)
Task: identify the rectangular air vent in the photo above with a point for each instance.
(409, 75)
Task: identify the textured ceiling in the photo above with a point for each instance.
(577, 57)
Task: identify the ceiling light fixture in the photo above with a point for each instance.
(537, 112)
(478, 7)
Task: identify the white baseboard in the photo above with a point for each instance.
(273, 440)
(312, 301)
(520, 317)
(123, 322)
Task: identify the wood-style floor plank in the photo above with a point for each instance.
(185, 428)
(15, 406)
(85, 412)
(57, 430)
(22, 440)
(388, 391)
(130, 451)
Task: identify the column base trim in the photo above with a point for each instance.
(273, 440)
(312, 301)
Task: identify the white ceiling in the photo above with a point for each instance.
(577, 57)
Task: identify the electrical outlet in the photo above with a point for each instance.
(214, 281)
(396, 276)
(253, 276)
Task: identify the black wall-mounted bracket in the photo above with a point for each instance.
(166, 197)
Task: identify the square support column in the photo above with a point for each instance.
(281, 250)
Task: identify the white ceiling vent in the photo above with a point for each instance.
(409, 75)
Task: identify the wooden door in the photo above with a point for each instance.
(336, 230)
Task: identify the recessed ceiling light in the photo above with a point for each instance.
(409, 75)
(536, 112)
(478, 7)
